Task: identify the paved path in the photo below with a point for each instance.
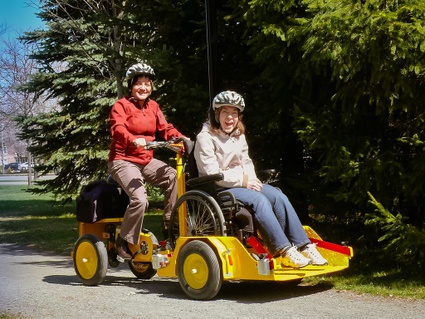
(43, 286)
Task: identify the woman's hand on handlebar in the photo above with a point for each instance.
(139, 142)
(173, 144)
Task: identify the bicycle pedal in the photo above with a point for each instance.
(122, 260)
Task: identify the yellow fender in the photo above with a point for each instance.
(237, 263)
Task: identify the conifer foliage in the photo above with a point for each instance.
(85, 50)
(358, 71)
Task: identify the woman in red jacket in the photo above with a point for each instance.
(136, 120)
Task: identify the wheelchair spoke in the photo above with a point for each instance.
(203, 216)
(203, 219)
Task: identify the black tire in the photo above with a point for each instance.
(142, 270)
(204, 216)
(112, 258)
(90, 260)
(199, 271)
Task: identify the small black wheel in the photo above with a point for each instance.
(90, 260)
(203, 216)
(142, 270)
(112, 258)
(199, 271)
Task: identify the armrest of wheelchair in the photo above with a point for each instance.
(208, 179)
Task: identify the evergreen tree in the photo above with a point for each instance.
(358, 85)
(84, 53)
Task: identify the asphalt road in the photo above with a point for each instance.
(45, 286)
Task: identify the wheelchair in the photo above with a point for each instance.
(212, 239)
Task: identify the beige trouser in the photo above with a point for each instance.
(132, 177)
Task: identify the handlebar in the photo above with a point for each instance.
(176, 145)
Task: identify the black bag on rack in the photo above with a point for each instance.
(100, 200)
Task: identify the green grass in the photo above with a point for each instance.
(378, 283)
(34, 221)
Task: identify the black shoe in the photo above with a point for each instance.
(123, 252)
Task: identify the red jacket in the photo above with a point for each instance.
(129, 121)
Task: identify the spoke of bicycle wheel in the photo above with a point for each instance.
(205, 220)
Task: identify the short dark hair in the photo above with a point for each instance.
(134, 79)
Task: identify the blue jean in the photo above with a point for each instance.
(275, 217)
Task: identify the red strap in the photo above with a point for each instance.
(258, 247)
(331, 246)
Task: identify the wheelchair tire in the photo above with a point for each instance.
(199, 271)
(142, 270)
(90, 260)
(204, 216)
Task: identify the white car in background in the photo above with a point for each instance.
(24, 166)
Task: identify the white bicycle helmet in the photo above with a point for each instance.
(140, 69)
(230, 98)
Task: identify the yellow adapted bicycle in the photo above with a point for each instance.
(212, 239)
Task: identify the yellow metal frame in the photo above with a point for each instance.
(238, 263)
(181, 189)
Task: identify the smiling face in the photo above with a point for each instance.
(142, 88)
(228, 118)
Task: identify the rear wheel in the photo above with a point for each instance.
(204, 216)
(90, 260)
(199, 271)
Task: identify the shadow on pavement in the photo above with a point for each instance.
(241, 292)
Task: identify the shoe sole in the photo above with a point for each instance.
(299, 267)
(325, 264)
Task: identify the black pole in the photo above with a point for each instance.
(211, 28)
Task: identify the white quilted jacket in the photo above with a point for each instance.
(223, 153)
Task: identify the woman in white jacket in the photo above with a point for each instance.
(221, 147)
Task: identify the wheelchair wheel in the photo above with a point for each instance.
(90, 260)
(142, 270)
(204, 216)
(199, 271)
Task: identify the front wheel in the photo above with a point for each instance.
(90, 260)
(199, 271)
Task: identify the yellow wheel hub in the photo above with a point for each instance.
(195, 271)
(86, 260)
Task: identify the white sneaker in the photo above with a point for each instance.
(311, 252)
(293, 258)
